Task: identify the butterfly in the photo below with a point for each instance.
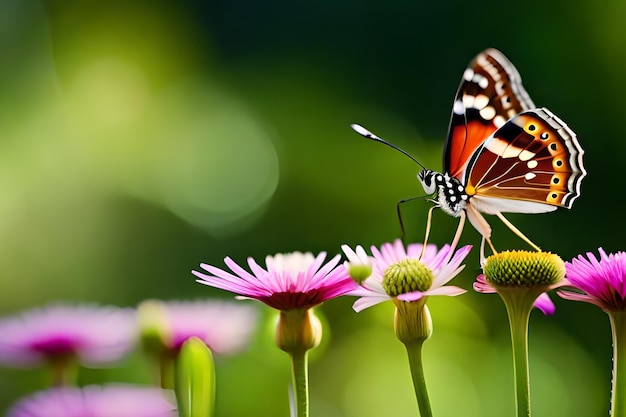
(502, 153)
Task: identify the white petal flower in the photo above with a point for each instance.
(372, 290)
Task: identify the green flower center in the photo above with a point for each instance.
(523, 268)
(406, 276)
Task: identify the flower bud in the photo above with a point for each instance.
(412, 321)
(154, 331)
(195, 379)
(298, 330)
(359, 272)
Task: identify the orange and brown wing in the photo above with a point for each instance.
(534, 157)
(490, 93)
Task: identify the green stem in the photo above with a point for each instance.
(519, 304)
(64, 371)
(300, 381)
(618, 330)
(166, 365)
(414, 350)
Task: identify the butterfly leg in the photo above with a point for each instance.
(482, 252)
(457, 235)
(517, 232)
(478, 221)
(428, 222)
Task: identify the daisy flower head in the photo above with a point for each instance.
(529, 272)
(115, 400)
(224, 326)
(543, 302)
(89, 334)
(289, 281)
(600, 281)
(409, 273)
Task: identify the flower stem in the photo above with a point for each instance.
(414, 350)
(518, 306)
(64, 371)
(166, 374)
(618, 330)
(300, 381)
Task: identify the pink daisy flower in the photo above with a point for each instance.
(97, 401)
(93, 335)
(602, 282)
(443, 264)
(290, 281)
(225, 327)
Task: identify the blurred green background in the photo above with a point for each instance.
(138, 139)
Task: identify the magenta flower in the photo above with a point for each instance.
(602, 282)
(92, 335)
(225, 327)
(373, 290)
(291, 281)
(97, 401)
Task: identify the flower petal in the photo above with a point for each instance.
(366, 302)
(481, 285)
(545, 304)
(449, 290)
(303, 279)
(411, 296)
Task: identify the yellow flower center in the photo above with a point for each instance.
(524, 268)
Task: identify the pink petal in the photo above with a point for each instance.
(449, 290)
(411, 296)
(545, 304)
(580, 297)
(481, 285)
(366, 302)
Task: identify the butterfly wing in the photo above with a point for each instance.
(490, 93)
(532, 164)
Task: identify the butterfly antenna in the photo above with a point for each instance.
(369, 135)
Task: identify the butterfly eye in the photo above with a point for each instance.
(426, 177)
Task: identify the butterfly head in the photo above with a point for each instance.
(427, 179)
(451, 195)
